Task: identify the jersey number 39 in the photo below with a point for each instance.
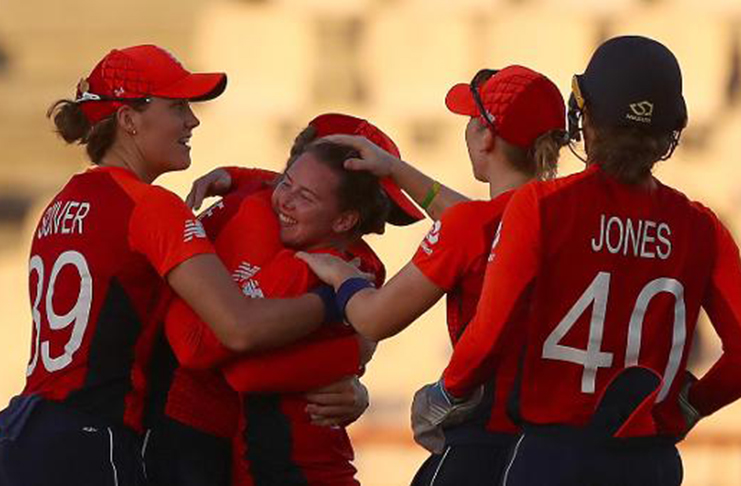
(78, 316)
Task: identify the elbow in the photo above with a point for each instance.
(239, 341)
(372, 331)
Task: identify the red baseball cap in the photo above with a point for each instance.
(403, 211)
(139, 72)
(521, 104)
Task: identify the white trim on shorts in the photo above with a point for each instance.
(439, 466)
(512, 461)
(113, 464)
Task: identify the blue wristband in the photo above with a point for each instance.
(332, 312)
(348, 289)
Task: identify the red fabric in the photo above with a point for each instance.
(139, 72)
(552, 256)
(453, 256)
(323, 455)
(111, 238)
(201, 398)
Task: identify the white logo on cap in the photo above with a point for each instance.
(641, 112)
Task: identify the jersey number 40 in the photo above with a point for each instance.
(593, 358)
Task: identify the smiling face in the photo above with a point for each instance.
(162, 134)
(307, 205)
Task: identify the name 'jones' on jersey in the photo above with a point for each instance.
(637, 237)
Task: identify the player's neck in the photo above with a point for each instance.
(128, 157)
(504, 180)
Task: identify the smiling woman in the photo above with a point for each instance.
(319, 202)
(104, 252)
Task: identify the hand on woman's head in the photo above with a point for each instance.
(372, 159)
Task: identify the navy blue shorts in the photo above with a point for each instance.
(176, 454)
(54, 445)
(464, 465)
(546, 460)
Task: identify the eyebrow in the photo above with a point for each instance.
(302, 188)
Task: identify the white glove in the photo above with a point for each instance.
(434, 408)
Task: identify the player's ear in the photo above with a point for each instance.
(346, 221)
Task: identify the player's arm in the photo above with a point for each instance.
(240, 323)
(429, 194)
(378, 313)
(511, 270)
(166, 233)
(442, 258)
(194, 343)
(310, 363)
(223, 180)
(722, 384)
(296, 368)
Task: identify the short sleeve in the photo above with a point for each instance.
(445, 254)
(164, 230)
(250, 179)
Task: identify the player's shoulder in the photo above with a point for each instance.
(140, 192)
(678, 203)
(472, 214)
(564, 184)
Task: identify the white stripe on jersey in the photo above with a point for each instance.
(193, 229)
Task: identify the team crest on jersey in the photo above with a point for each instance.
(494, 243)
(193, 229)
(433, 236)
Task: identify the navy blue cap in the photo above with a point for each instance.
(634, 81)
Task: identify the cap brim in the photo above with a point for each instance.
(195, 87)
(460, 100)
(403, 211)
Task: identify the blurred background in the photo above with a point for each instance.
(390, 61)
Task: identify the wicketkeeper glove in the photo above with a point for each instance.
(434, 408)
(689, 412)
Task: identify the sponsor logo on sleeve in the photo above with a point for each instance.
(244, 276)
(193, 229)
(433, 236)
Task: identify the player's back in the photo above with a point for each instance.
(622, 274)
(95, 285)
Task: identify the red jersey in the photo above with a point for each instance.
(201, 397)
(453, 256)
(604, 275)
(277, 443)
(98, 260)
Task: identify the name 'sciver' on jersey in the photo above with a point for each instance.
(243, 275)
(64, 217)
(639, 238)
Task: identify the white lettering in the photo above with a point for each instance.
(633, 237)
(68, 216)
(598, 246)
(63, 218)
(647, 253)
(608, 234)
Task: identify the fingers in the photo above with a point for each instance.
(330, 411)
(342, 397)
(196, 194)
(354, 141)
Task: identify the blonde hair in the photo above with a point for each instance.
(540, 160)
